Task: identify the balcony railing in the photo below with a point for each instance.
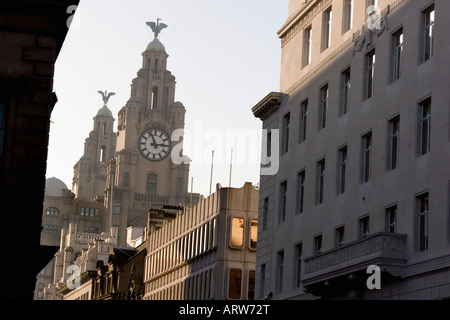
(386, 250)
(150, 199)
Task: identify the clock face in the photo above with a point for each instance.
(154, 144)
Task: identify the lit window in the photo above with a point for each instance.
(428, 32)
(237, 232)
(253, 234)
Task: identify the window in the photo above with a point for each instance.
(345, 93)
(253, 234)
(422, 221)
(51, 229)
(269, 143)
(342, 167)
(265, 212)
(154, 100)
(367, 157)
(237, 232)
(235, 284)
(318, 244)
(82, 211)
(391, 219)
(301, 191)
(298, 265)
(323, 107)
(307, 39)
(126, 179)
(283, 200)
(103, 154)
(286, 125)
(280, 267)
(117, 207)
(326, 36)
(364, 227)
(397, 58)
(251, 285)
(394, 132)
(339, 236)
(370, 73)
(262, 281)
(425, 127)
(152, 181)
(320, 181)
(303, 120)
(179, 185)
(428, 17)
(347, 16)
(52, 212)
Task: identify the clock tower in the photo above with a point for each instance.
(142, 174)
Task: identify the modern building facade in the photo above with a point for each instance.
(363, 122)
(206, 252)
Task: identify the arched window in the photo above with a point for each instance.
(152, 182)
(52, 212)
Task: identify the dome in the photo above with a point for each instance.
(104, 112)
(156, 46)
(54, 187)
(177, 104)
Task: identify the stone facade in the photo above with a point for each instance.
(363, 124)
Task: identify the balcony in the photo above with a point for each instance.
(386, 250)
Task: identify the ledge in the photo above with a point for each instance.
(386, 250)
(267, 105)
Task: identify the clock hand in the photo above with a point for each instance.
(153, 138)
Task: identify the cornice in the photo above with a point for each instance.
(300, 19)
(267, 105)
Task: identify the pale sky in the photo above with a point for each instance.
(225, 55)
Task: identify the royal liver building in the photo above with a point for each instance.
(122, 173)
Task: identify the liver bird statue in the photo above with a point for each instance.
(106, 96)
(156, 27)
